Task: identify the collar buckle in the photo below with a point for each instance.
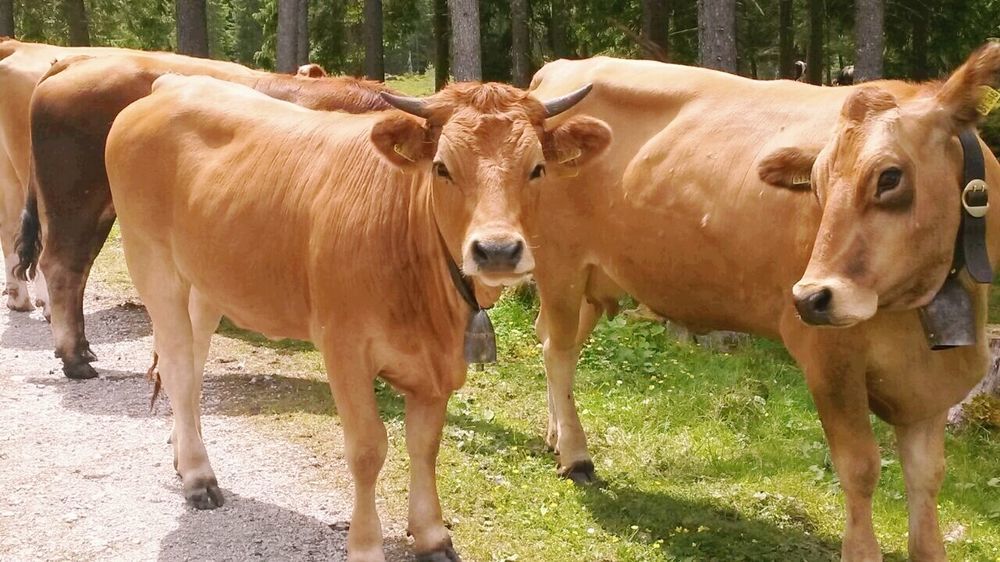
(976, 198)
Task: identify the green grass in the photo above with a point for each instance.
(414, 84)
(702, 456)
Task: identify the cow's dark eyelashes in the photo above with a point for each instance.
(441, 171)
(538, 171)
(888, 180)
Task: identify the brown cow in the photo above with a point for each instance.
(335, 228)
(680, 214)
(21, 66)
(71, 113)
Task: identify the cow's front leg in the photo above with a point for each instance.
(563, 326)
(424, 422)
(834, 366)
(365, 446)
(921, 449)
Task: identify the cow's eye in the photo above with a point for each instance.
(538, 172)
(888, 180)
(441, 171)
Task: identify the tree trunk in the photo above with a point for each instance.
(520, 43)
(918, 61)
(655, 26)
(192, 28)
(989, 386)
(6, 18)
(441, 40)
(288, 37)
(786, 40)
(717, 34)
(76, 16)
(302, 34)
(557, 29)
(814, 56)
(465, 47)
(869, 38)
(374, 57)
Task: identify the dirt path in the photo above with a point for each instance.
(86, 474)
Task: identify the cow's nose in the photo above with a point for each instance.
(814, 306)
(497, 255)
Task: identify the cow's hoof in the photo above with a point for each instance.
(580, 472)
(205, 495)
(446, 554)
(79, 371)
(19, 305)
(87, 355)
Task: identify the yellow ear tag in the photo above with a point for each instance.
(801, 180)
(989, 100)
(571, 158)
(399, 150)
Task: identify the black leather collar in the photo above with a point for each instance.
(970, 246)
(480, 345)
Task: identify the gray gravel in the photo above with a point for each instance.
(86, 473)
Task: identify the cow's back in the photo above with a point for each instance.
(21, 66)
(682, 171)
(279, 216)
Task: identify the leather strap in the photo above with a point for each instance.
(970, 247)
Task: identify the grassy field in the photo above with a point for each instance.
(702, 455)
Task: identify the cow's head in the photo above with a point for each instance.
(487, 151)
(888, 184)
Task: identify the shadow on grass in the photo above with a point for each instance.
(692, 530)
(283, 346)
(281, 395)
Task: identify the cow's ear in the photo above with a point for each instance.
(962, 94)
(789, 167)
(576, 142)
(311, 70)
(402, 140)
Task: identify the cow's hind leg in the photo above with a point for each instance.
(563, 326)
(11, 204)
(67, 256)
(167, 299)
(424, 423)
(365, 446)
(921, 449)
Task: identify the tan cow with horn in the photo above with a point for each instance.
(341, 229)
(720, 194)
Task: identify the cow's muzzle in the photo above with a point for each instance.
(498, 258)
(501, 256)
(814, 306)
(833, 301)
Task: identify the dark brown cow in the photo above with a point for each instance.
(69, 210)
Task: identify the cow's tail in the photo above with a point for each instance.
(153, 376)
(29, 241)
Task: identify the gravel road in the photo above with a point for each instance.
(86, 472)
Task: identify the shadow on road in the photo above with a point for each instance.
(120, 322)
(248, 529)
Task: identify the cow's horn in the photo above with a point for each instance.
(556, 106)
(413, 106)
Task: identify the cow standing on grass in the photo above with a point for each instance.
(337, 229)
(720, 194)
(69, 211)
